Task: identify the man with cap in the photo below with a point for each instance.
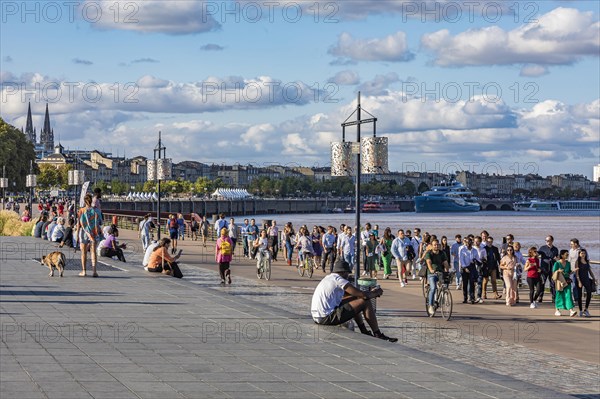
(336, 301)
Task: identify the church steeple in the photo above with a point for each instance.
(47, 134)
(29, 132)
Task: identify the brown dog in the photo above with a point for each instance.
(55, 260)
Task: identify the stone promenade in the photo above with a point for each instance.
(129, 334)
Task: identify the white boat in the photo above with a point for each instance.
(540, 205)
(447, 197)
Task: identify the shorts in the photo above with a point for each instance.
(341, 314)
(173, 234)
(84, 238)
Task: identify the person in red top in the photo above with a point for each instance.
(223, 255)
(61, 209)
(534, 277)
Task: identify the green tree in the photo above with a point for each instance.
(408, 188)
(16, 153)
(48, 177)
(118, 187)
(423, 187)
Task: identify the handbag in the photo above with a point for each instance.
(593, 285)
(559, 280)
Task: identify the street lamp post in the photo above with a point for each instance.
(76, 178)
(31, 182)
(159, 169)
(374, 151)
(3, 185)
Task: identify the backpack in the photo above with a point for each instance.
(173, 224)
(410, 252)
(226, 248)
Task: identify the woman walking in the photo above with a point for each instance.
(508, 265)
(564, 298)
(288, 238)
(386, 254)
(585, 278)
(173, 232)
(316, 242)
(89, 234)
(534, 280)
(223, 255)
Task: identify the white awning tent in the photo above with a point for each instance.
(230, 193)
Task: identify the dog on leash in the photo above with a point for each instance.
(55, 260)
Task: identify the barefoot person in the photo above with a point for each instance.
(89, 232)
(336, 301)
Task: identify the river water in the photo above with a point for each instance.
(530, 229)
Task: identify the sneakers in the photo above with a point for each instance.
(430, 310)
(364, 273)
(386, 276)
(532, 306)
(381, 335)
(414, 276)
(479, 300)
(402, 284)
(557, 313)
(458, 287)
(586, 313)
(572, 313)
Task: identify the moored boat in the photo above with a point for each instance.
(447, 197)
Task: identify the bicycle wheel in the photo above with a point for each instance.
(267, 273)
(446, 304)
(259, 271)
(309, 267)
(425, 287)
(300, 268)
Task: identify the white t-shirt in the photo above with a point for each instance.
(328, 295)
(148, 252)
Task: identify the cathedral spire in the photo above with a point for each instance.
(29, 132)
(47, 134)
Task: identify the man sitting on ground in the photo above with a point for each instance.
(336, 301)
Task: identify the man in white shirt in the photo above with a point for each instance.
(336, 301)
(468, 258)
(364, 238)
(573, 256)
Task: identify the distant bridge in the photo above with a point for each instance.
(496, 205)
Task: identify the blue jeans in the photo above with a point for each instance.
(348, 257)
(457, 274)
(290, 250)
(432, 279)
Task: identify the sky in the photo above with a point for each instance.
(485, 86)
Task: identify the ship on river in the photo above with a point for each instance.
(447, 197)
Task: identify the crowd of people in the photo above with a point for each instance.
(482, 269)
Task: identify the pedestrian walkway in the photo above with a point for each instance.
(131, 334)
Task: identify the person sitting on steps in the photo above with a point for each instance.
(336, 301)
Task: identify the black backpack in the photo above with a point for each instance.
(410, 252)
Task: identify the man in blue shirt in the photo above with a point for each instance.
(399, 245)
(468, 259)
(347, 246)
(328, 241)
(454, 249)
(244, 233)
(252, 235)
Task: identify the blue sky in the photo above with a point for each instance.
(514, 84)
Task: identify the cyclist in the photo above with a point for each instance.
(304, 245)
(262, 245)
(436, 262)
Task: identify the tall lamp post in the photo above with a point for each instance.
(31, 182)
(159, 169)
(76, 178)
(375, 153)
(3, 185)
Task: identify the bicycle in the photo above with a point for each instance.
(443, 297)
(305, 264)
(263, 269)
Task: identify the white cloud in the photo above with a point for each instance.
(379, 85)
(533, 71)
(153, 94)
(345, 78)
(561, 37)
(390, 48)
(176, 17)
